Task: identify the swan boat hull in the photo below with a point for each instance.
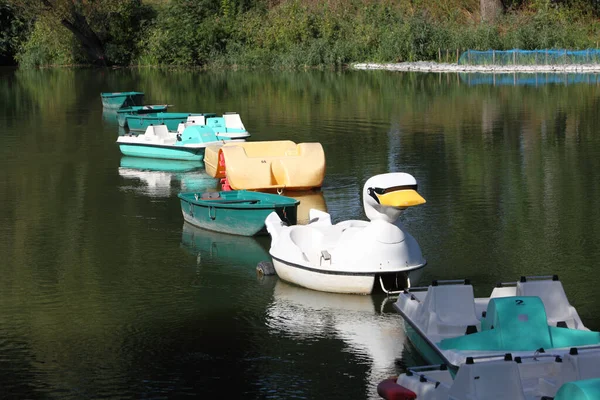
(348, 282)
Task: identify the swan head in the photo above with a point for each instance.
(385, 196)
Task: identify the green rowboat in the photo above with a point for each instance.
(117, 100)
(138, 110)
(238, 212)
(140, 122)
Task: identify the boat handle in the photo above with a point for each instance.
(212, 217)
(388, 292)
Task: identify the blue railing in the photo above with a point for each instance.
(529, 57)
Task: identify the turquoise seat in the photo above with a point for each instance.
(519, 323)
(197, 134)
(588, 389)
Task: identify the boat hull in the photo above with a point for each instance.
(236, 217)
(425, 349)
(163, 152)
(114, 101)
(332, 281)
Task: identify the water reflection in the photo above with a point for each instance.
(110, 117)
(211, 246)
(375, 338)
(308, 200)
(162, 178)
(528, 79)
(91, 273)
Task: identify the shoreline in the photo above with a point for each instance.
(425, 66)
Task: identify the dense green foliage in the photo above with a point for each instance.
(13, 31)
(295, 33)
(118, 25)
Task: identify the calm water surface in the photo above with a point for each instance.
(105, 293)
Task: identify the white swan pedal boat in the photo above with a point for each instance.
(573, 376)
(352, 256)
(447, 324)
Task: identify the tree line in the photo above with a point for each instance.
(281, 33)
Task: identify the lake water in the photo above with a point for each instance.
(104, 293)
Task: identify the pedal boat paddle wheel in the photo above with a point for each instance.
(353, 256)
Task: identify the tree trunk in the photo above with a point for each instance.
(490, 10)
(90, 42)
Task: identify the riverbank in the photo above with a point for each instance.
(423, 66)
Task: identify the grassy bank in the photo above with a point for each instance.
(292, 34)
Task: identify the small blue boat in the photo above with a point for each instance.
(158, 142)
(138, 110)
(117, 100)
(238, 212)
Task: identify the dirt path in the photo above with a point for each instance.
(423, 66)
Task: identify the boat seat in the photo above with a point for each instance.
(451, 309)
(555, 301)
(157, 133)
(211, 195)
(196, 120)
(162, 132)
(233, 121)
(491, 380)
(315, 241)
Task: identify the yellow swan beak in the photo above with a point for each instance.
(401, 198)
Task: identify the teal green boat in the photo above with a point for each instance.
(117, 100)
(157, 142)
(140, 122)
(229, 126)
(238, 212)
(138, 110)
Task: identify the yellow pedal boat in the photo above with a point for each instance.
(268, 165)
